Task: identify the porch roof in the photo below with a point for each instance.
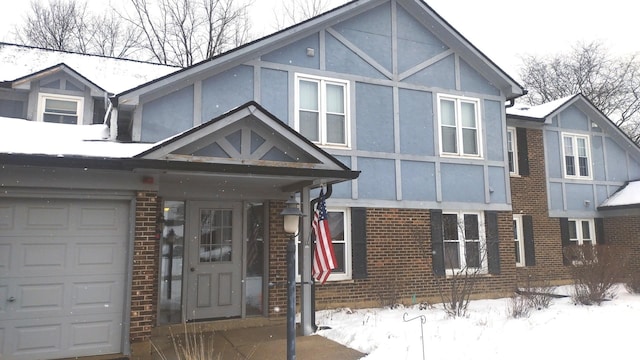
(628, 196)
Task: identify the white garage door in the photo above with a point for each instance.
(62, 277)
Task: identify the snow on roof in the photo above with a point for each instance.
(111, 74)
(626, 196)
(18, 136)
(538, 111)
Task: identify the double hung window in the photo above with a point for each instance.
(576, 156)
(61, 109)
(322, 114)
(464, 241)
(459, 121)
(581, 231)
(518, 238)
(512, 151)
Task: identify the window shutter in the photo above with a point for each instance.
(564, 237)
(493, 242)
(529, 248)
(359, 243)
(437, 243)
(600, 240)
(523, 151)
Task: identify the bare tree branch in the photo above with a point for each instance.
(295, 11)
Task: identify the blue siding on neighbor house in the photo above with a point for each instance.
(554, 154)
(225, 91)
(374, 119)
(597, 158)
(392, 116)
(574, 119)
(616, 161)
(168, 115)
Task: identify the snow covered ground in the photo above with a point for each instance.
(562, 331)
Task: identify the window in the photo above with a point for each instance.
(576, 156)
(464, 241)
(60, 109)
(518, 238)
(581, 231)
(322, 114)
(512, 151)
(340, 227)
(459, 123)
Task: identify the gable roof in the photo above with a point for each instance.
(430, 18)
(113, 75)
(540, 112)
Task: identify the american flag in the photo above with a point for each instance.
(324, 258)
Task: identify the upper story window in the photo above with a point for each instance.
(322, 114)
(464, 241)
(459, 121)
(512, 150)
(576, 156)
(61, 109)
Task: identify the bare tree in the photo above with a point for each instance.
(66, 25)
(295, 11)
(183, 32)
(612, 84)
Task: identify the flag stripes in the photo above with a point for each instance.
(324, 258)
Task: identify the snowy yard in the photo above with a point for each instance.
(562, 331)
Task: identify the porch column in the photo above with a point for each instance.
(305, 289)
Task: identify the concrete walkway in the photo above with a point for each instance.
(259, 343)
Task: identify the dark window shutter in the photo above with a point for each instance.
(437, 243)
(600, 240)
(564, 237)
(359, 243)
(493, 242)
(529, 248)
(523, 151)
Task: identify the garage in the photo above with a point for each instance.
(63, 276)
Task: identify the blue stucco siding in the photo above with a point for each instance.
(574, 119)
(554, 154)
(296, 53)
(497, 185)
(471, 80)
(442, 74)
(616, 161)
(340, 58)
(167, 116)
(371, 33)
(556, 198)
(597, 158)
(462, 183)
(273, 84)
(416, 44)
(577, 195)
(374, 123)
(492, 122)
(601, 193)
(418, 181)
(416, 122)
(343, 190)
(225, 91)
(377, 179)
(634, 170)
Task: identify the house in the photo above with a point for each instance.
(573, 174)
(167, 208)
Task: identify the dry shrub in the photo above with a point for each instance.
(596, 270)
(632, 282)
(519, 306)
(193, 344)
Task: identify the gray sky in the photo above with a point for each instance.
(502, 29)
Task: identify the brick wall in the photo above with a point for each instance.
(144, 288)
(625, 231)
(529, 197)
(399, 263)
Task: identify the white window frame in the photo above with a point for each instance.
(580, 238)
(458, 100)
(519, 239)
(322, 109)
(484, 267)
(574, 141)
(347, 275)
(43, 97)
(513, 145)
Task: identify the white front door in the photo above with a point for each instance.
(214, 267)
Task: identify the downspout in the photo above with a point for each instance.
(313, 283)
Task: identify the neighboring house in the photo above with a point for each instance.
(168, 208)
(572, 182)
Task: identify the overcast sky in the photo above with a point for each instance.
(503, 29)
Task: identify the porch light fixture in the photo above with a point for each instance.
(292, 215)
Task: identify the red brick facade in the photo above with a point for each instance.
(144, 288)
(625, 231)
